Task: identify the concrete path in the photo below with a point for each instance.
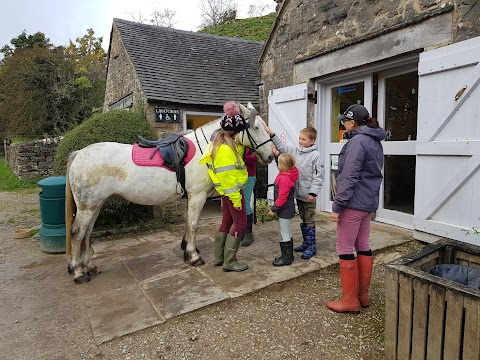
(144, 280)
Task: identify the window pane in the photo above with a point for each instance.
(342, 97)
(399, 183)
(401, 101)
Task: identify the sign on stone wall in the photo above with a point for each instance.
(167, 115)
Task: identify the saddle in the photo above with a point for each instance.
(173, 148)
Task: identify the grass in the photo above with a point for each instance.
(10, 182)
(257, 28)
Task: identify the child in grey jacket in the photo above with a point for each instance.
(308, 186)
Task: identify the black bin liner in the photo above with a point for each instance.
(462, 274)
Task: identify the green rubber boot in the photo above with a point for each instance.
(230, 255)
(219, 248)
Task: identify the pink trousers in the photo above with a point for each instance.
(353, 231)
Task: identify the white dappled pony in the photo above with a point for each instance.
(104, 169)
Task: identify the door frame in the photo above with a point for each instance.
(325, 94)
(322, 121)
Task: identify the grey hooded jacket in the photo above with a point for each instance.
(359, 173)
(309, 165)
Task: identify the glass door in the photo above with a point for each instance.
(336, 98)
(397, 114)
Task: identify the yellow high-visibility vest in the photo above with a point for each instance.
(227, 171)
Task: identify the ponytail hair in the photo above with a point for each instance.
(224, 137)
(372, 123)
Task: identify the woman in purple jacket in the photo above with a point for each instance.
(359, 177)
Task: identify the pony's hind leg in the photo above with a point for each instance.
(80, 250)
(86, 262)
(194, 208)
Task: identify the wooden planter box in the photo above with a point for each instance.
(428, 317)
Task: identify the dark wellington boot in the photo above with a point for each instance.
(219, 248)
(287, 254)
(248, 236)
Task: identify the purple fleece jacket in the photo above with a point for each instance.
(359, 172)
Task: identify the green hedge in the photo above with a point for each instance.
(116, 126)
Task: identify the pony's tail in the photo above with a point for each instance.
(70, 207)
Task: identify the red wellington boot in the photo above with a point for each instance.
(365, 265)
(349, 277)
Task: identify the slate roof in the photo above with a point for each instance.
(191, 68)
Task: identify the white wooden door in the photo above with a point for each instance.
(447, 194)
(287, 115)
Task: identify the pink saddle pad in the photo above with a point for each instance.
(141, 156)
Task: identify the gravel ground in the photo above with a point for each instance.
(41, 320)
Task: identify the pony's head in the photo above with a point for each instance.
(255, 137)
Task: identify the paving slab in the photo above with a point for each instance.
(144, 280)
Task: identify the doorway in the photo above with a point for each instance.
(392, 97)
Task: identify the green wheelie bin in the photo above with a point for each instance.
(52, 210)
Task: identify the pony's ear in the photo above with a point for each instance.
(245, 112)
(250, 106)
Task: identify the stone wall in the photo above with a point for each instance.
(121, 76)
(309, 28)
(33, 159)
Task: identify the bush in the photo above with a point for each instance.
(262, 211)
(117, 126)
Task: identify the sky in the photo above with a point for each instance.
(62, 20)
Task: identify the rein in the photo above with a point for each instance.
(196, 138)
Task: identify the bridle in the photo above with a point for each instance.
(254, 146)
(253, 143)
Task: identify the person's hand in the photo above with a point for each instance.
(275, 151)
(311, 198)
(238, 208)
(334, 217)
(267, 129)
(271, 213)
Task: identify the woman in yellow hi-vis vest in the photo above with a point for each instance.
(227, 170)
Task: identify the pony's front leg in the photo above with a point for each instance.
(194, 208)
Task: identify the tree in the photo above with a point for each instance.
(162, 17)
(90, 63)
(258, 10)
(46, 89)
(35, 90)
(216, 12)
(23, 42)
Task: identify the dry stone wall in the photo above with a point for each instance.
(33, 159)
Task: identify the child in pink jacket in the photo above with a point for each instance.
(284, 206)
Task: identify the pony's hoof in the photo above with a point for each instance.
(82, 279)
(94, 271)
(70, 269)
(198, 262)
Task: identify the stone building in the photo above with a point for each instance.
(180, 78)
(415, 65)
